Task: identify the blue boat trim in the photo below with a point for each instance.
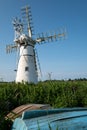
(69, 118)
(37, 113)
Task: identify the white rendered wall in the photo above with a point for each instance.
(26, 71)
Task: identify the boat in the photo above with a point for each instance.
(52, 119)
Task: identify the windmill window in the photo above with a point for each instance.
(26, 68)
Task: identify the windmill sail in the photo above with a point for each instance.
(46, 37)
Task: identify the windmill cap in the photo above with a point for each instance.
(21, 39)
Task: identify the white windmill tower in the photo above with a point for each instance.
(27, 66)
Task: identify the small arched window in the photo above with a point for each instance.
(26, 68)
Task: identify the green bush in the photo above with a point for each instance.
(58, 94)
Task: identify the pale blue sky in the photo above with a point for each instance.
(66, 58)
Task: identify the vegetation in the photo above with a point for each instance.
(59, 94)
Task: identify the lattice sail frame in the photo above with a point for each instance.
(25, 26)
